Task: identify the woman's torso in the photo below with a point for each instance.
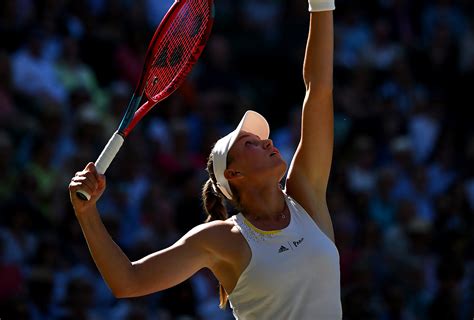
(291, 273)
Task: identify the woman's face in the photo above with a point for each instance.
(255, 159)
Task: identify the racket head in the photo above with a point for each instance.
(177, 46)
(174, 49)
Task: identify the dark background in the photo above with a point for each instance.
(402, 186)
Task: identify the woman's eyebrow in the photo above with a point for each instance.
(241, 137)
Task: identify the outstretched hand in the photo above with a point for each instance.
(88, 180)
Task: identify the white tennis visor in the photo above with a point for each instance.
(251, 122)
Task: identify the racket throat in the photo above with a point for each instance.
(133, 105)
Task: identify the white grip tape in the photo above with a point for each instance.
(109, 153)
(321, 5)
(106, 157)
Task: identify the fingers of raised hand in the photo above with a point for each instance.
(84, 180)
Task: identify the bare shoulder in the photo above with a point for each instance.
(220, 237)
(226, 248)
(213, 229)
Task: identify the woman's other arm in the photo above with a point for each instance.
(158, 271)
(309, 172)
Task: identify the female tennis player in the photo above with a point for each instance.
(276, 259)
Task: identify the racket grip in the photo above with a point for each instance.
(109, 153)
(104, 160)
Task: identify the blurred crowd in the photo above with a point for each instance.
(402, 187)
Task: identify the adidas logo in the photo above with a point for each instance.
(283, 249)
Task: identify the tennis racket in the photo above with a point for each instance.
(174, 49)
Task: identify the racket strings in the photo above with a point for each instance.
(177, 46)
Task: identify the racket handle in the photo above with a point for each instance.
(104, 160)
(109, 153)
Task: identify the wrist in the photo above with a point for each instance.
(321, 5)
(86, 212)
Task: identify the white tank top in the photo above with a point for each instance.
(293, 273)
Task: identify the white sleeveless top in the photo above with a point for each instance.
(293, 273)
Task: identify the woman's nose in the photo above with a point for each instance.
(268, 143)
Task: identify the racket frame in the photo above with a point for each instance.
(134, 113)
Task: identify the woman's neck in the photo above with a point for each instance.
(264, 204)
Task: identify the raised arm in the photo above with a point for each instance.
(155, 272)
(309, 171)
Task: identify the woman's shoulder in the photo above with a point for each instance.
(221, 237)
(218, 228)
(218, 235)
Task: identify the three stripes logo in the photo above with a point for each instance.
(291, 245)
(283, 249)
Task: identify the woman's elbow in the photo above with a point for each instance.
(319, 91)
(124, 289)
(318, 85)
(121, 293)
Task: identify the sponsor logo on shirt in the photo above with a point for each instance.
(297, 243)
(292, 244)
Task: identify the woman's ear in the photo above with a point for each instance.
(231, 174)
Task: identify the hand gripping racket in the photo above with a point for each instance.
(176, 46)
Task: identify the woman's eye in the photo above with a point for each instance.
(251, 143)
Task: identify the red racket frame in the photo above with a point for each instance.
(150, 55)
